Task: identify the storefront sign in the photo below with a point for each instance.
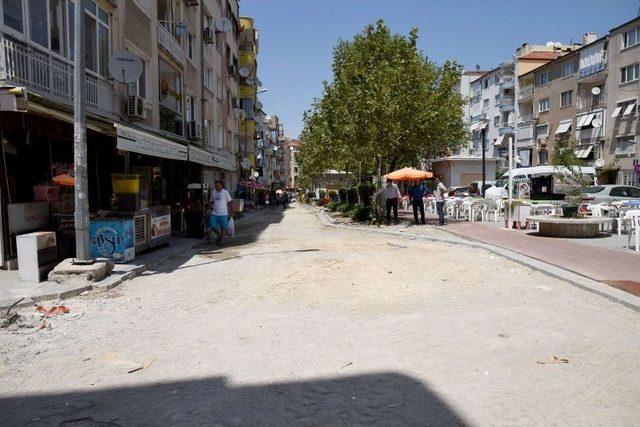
(224, 163)
(27, 216)
(201, 156)
(112, 239)
(137, 141)
(160, 226)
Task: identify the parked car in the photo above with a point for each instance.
(459, 192)
(474, 187)
(609, 193)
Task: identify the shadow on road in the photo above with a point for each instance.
(385, 398)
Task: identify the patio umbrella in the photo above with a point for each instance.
(408, 174)
(64, 180)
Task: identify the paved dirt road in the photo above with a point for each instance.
(296, 323)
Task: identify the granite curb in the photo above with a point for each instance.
(596, 287)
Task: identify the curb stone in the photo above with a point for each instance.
(593, 286)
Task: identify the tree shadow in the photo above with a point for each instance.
(383, 398)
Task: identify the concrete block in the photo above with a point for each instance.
(66, 271)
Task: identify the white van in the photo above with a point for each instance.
(542, 180)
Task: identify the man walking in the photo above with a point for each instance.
(440, 194)
(392, 194)
(417, 193)
(220, 199)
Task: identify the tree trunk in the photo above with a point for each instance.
(392, 164)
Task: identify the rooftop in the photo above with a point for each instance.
(541, 55)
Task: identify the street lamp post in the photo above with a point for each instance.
(483, 131)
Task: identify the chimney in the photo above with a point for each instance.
(589, 38)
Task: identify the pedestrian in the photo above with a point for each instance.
(417, 193)
(285, 200)
(220, 199)
(440, 193)
(206, 220)
(392, 195)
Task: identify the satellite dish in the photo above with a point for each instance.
(595, 90)
(223, 24)
(596, 123)
(259, 156)
(244, 72)
(599, 163)
(275, 148)
(250, 81)
(256, 174)
(125, 67)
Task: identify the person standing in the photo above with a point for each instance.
(440, 193)
(417, 193)
(392, 194)
(220, 199)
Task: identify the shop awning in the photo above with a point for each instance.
(224, 163)
(563, 127)
(582, 152)
(629, 109)
(139, 141)
(198, 155)
(585, 120)
(499, 140)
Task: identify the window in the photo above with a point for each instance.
(485, 83)
(38, 28)
(485, 104)
(625, 109)
(542, 130)
(625, 177)
(566, 98)
(191, 109)
(631, 38)
(208, 78)
(96, 37)
(633, 192)
(496, 121)
(497, 99)
(58, 20)
(12, 14)
(543, 78)
(619, 191)
(543, 157)
(543, 105)
(625, 145)
(630, 73)
(140, 87)
(190, 45)
(567, 69)
(496, 79)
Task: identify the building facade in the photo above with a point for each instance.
(178, 123)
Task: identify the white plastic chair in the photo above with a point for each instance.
(634, 218)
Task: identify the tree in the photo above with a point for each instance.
(387, 106)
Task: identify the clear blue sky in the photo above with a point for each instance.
(297, 36)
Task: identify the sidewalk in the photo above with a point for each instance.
(23, 294)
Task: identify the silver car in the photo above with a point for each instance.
(609, 193)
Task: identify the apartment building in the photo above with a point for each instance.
(554, 106)
(291, 163)
(623, 90)
(177, 124)
(248, 73)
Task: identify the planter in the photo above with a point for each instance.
(569, 211)
(569, 227)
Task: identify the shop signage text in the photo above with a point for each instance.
(130, 139)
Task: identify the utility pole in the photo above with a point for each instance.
(81, 213)
(510, 185)
(484, 132)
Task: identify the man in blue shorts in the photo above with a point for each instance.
(219, 219)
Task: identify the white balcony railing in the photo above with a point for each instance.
(52, 77)
(168, 42)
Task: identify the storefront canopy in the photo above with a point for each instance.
(141, 142)
(408, 174)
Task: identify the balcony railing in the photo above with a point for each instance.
(599, 64)
(52, 77)
(169, 41)
(525, 92)
(506, 128)
(587, 101)
(525, 118)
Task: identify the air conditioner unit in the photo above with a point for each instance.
(208, 35)
(193, 130)
(135, 108)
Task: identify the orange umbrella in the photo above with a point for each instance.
(408, 174)
(64, 180)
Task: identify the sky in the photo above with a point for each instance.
(297, 36)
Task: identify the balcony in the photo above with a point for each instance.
(525, 119)
(597, 63)
(507, 104)
(587, 101)
(169, 40)
(506, 128)
(525, 93)
(507, 82)
(52, 77)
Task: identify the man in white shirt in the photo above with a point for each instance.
(440, 193)
(219, 219)
(392, 194)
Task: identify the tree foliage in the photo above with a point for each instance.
(387, 106)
